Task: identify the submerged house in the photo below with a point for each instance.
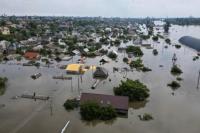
(100, 73)
(32, 55)
(119, 103)
(74, 68)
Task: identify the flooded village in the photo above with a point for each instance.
(84, 75)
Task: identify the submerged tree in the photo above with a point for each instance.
(2, 85)
(71, 104)
(174, 85)
(175, 70)
(91, 110)
(135, 90)
(135, 50)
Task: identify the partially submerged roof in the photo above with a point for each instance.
(101, 72)
(31, 55)
(74, 67)
(117, 102)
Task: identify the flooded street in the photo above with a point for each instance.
(174, 111)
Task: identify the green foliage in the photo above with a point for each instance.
(145, 117)
(90, 54)
(168, 41)
(160, 36)
(145, 37)
(136, 64)
(155, 38)
(104, 40)
(18, 58)
(174, 85)
(146, 69)
(112, 55)
(19, 51)
(135, 50)
(93, 111)
(58, 59)
(45, 52)
(71, 104)
(155, 52)
(125, 59)
(3, 81)
(7, 37)
(117, 42)
(175, 70)
(135, 90)
(195, 58)
(178, 46)
(103, 51)
(184, 21)
(179, 79)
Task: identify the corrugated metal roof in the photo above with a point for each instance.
(117, 102)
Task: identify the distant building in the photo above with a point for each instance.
(32, 55)
(119, 103)
(4, 46)
(5, 31)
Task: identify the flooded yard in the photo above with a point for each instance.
(174, 111)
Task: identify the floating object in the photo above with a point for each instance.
(160, 65)
(39, 97)
(96, 83)
(62, 77)
(66, 125)
(27, 64)
(115, 69)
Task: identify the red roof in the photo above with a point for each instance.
(117, 102)
(31, 55)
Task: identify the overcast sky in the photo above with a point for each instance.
(105, 8)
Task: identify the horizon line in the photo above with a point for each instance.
(76, 16)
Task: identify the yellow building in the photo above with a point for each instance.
(74, 68)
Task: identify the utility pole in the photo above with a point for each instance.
(78, 85)
(198, 80)
(174, 59)
(71, 85)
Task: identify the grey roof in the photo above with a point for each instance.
(100, 72)
(190, 42)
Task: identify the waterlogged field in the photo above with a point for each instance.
(174, 111)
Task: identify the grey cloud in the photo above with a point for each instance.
(107, 8)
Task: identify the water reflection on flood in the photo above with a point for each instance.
(177, 113)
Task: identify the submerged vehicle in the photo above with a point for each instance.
(36, 76)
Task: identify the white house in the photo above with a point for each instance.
(5, 31)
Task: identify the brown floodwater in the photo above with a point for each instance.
(174, 111)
